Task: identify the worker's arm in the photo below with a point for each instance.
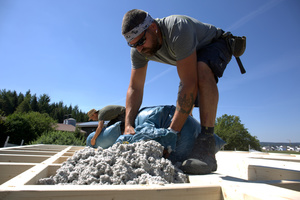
(134, 97)
(98, 131)
(187, 72)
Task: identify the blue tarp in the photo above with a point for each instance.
(152, 123)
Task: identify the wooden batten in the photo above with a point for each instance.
(167, 192)
(240, 175)
(233, 190)
(22, 158)
(32, 175)
(10, 170)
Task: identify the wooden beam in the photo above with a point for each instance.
(271, 173)
(240, 175)
(27, 152)
(250, 166)
(132, 192)
(10, 170)
(32, 175)
(22, 158)
(233, 190)
(288, 184)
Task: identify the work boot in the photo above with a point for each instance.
(202, 159)
(195, 166)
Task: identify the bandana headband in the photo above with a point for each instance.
(136, 31)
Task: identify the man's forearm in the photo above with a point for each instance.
(187, 72)
(133, 103)
(99, 129)
(185, 101)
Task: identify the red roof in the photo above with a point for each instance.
(66, 127)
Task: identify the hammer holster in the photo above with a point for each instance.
(237, 45)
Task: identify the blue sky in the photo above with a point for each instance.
(73, 51)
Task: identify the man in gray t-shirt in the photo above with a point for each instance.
(200, 54)
(182, 35)
(111, 113)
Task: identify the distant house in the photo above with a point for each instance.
(70, 121)
(67, 128)
(88, 127)
(69, 125)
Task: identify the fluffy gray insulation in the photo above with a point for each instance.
(121, 164)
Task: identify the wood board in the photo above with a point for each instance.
(240, 175)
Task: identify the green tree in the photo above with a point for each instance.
(6, 102)
(34, 104)
(59, 138)
(43, 103)
(40, 122)
(11, 102)
(230, 129)
(28, 94)
(27, 126)
(20, 98)
(14, 100)
(18, 128)
(3, 129)
(24, 107)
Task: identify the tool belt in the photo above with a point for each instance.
(237, 45)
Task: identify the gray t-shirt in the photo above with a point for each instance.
(111, 112)
(182, 35)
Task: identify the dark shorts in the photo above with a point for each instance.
(216, 55)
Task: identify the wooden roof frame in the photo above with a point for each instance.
(240, 175)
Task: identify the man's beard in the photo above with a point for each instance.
(155, 47)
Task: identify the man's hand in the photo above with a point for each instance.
(129, 130)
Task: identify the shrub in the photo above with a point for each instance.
(27, 126)
(60, 138)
